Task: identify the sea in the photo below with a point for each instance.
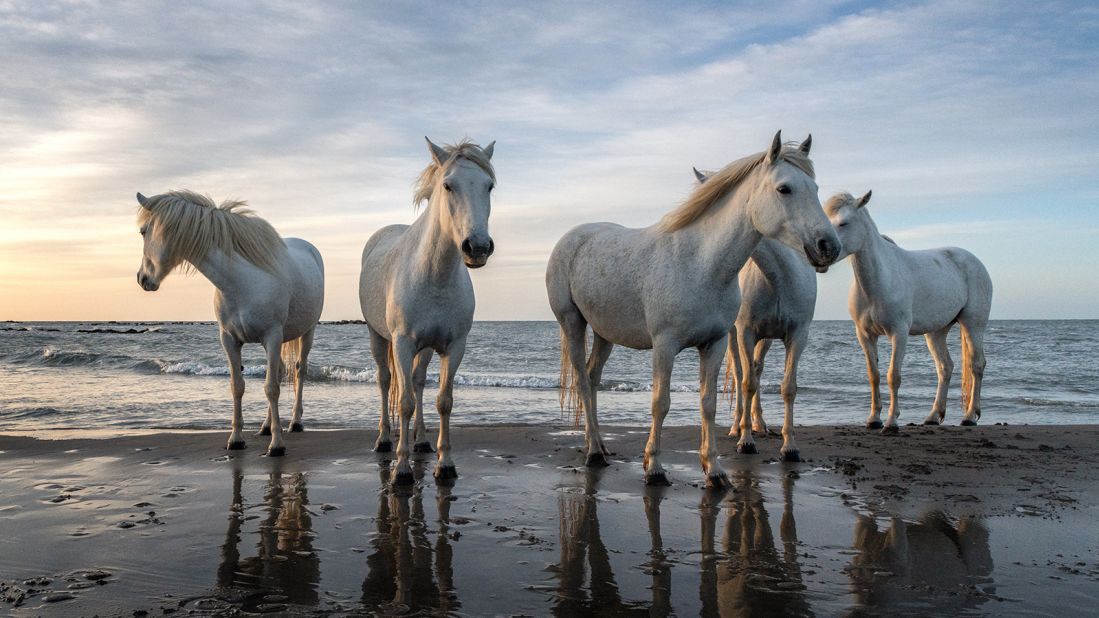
(173, 375)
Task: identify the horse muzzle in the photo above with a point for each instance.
(475, 254)
(147, 283)
(823, 253)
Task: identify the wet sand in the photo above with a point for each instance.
(993, 519)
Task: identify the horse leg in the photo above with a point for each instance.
(709, 368)
(379, 349)
(749, 384)
(973, 335)
(795, 345)
(236, 386)
(732, 380)
(574, 328)
(944, 367)
(663, 360)
(600, 352)
(758, 424)
(272, 344)
(900, 340)
(444, 403)
(419, 376)
(404, 355)
(299, 379)
(869, 345)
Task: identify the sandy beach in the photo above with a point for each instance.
(995, 519)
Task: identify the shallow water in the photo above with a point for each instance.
(173, 375)
(535, 540)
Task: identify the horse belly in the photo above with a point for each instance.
(939, 295)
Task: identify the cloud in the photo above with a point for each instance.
(315, 114)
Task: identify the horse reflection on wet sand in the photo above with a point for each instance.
(933, 564)
(405, 573)
(285, 564)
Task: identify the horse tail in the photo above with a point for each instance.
(291, 357)
(568, 394)
(732, 364)
(394, 391)
(967, 368)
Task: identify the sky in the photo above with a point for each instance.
(975, 124)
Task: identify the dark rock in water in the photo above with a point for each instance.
(58, 596)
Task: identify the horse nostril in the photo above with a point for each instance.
(824, 247)
(491, 247)
(467, 247)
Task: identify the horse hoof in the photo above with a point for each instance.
(264, 431)
(873, 425)
(969, 423)
(444, 473)
(422, 447)
(403, 479)
(597, 460)
(383, 447)
(791, 456)
(296, 428)
(931, 422)
(718, 481)
(747, 449)
(236, 446)
(277, 451)
(657, 479)
(890, 430)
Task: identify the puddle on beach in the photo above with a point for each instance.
(281, 538)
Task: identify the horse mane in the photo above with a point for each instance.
(465, 149)
(838, 201)
(720, 183)
(191, 225)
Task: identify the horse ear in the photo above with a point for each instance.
(699, 175)
(776, 148)
(806, 145)
(438, 154)
(488, 149)
(864, 200)
(141, 199)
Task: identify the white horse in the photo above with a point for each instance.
(778, 291)
(674, 285)
(897, 293)
(417, 297)
(268, 290)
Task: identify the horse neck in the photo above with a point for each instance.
(777, 263)
(869, 264)
(222, 269)
(722, 239)
(439, 258)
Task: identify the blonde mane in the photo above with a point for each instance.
(464, 149)
(191, 225)
(722, 182)
(838, 201)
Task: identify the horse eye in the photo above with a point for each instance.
(783, 189)
(844, 224)
(446, 185)
(143, 230)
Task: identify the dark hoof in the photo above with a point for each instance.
(236, 446)
(278, 451)
(422, 447)
(383, 447)
(874, 425)
(891, 430)
(444, 473)
(597, 460)
(296, 428)
(404, 479)
(657, 480)
(747, 449)
(264, 431)
(969, 423)
(791, 456)
(718, 481)
(931, 422)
